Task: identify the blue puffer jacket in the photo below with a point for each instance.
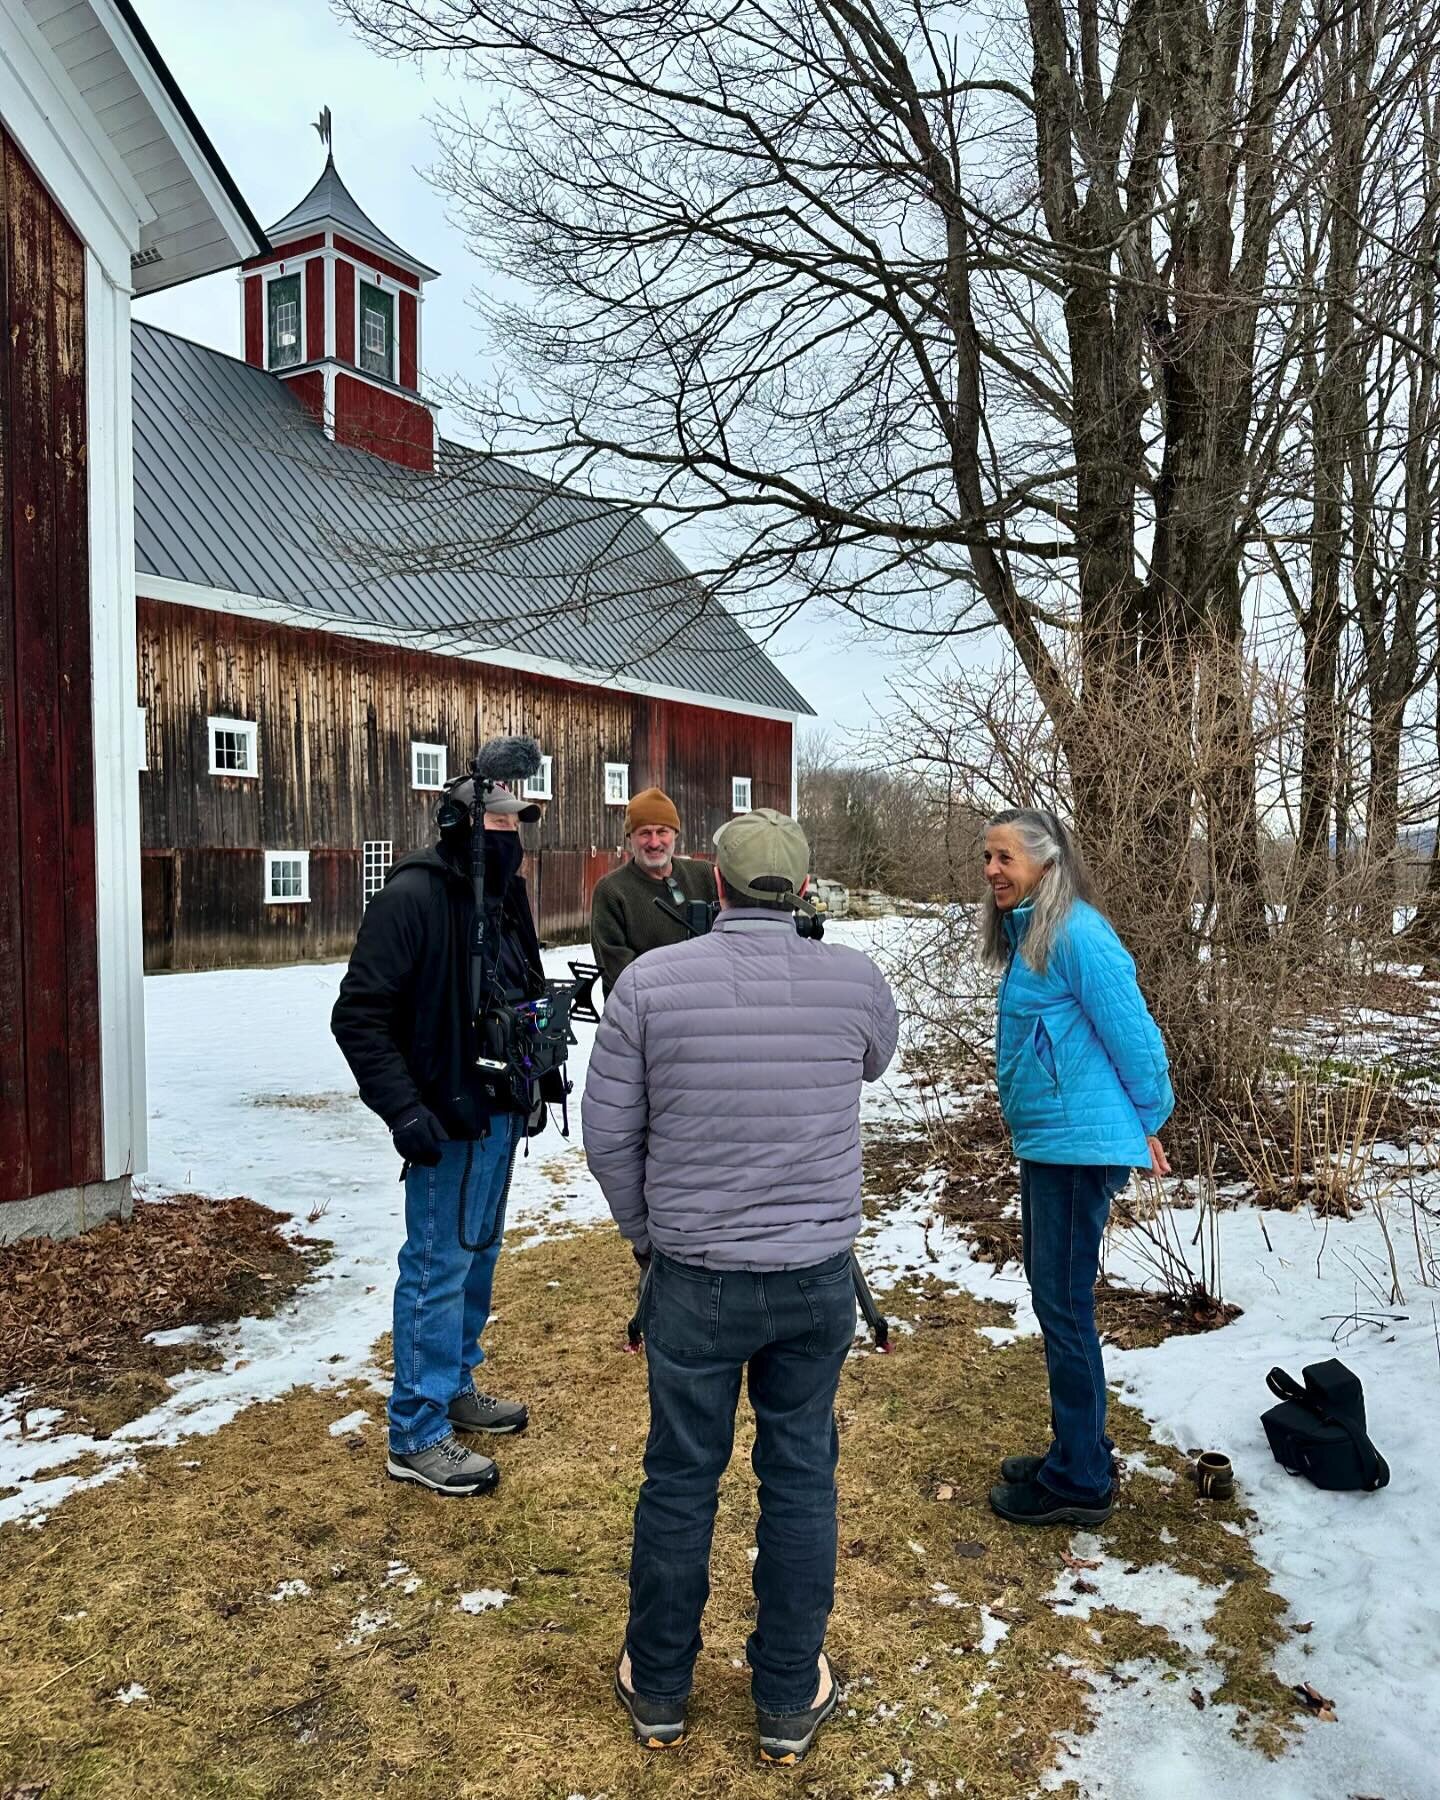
(1080, 1063)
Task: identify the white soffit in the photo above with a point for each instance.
(197, 221)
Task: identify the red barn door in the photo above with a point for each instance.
(50, 1100)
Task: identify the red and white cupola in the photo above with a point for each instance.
(333, 309)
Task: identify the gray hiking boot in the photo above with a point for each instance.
(474, 1411)
(788, 1738)
(444, 1468)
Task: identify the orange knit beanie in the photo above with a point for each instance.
(652, 806)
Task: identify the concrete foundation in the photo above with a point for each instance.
(68, 1210)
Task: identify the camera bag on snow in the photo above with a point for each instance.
(1318, 1430)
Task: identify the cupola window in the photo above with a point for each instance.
(377, 331)
(284, 303)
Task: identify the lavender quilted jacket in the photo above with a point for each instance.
(721, 1111)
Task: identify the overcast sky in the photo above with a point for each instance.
(257, 73)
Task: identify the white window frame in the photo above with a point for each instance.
(246, 728)
(737, 804)
(142, 740)
(377, 858)
(275, 857)
(541, 786)
(622, 771)
(417, 750)
(280, 273)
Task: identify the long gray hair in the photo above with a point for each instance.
(1064, 881)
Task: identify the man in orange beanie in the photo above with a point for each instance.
(625, 922)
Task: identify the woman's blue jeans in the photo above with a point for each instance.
(791, 1329)
(442, 1298)
(1063, 1209)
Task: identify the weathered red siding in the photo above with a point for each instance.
(344, 310)
(386, 423)
(310, 386)
(255, 321)
(409, 341)
(314, 309)
(279, 252)
(367, 259)
(49, 987)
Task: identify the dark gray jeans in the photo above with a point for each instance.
(791, 1329)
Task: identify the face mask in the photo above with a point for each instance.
(504, 854)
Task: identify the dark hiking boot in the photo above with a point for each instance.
(474, 1411)
(659, 1724)
(1025, 1468)
(1032, 1503)
(444, 1468)
(788, 1738)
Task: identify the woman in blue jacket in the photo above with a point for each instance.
(1084, 1086)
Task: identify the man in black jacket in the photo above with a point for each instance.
(405, 1025)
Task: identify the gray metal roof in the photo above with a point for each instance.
(237, 488)
(330, 202)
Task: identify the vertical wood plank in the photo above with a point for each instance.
(14, 1096)
(76, 707)
(32, 519)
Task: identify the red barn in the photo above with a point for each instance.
(108, 187)
(336, 607)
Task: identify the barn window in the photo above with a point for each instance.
(287, 877)
(378, 856)
(377, 331)
(427, 767)
(617, 784)
(537, 787)
(234, 747)
(739, 793)
(283, 301)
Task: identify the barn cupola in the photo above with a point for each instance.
(333, 310)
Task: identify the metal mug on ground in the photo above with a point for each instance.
(1213, 1476)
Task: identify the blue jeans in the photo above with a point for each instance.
(792, 1328)
(1063, 1210)
(442, 1298)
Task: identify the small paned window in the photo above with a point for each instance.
(379, 853)
(537, 787)
(427, 766)
(287, 877)
(739, 793)
(234, 749)
(283, 298)
(617, 784)
(377, 331)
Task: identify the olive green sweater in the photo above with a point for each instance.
(625, 922)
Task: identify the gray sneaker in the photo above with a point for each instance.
(444, 1468)
(474, 1411)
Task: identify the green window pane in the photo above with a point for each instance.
(377, 331)
(283, 300)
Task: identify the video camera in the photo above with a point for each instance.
(521, 1041)
(698, 916)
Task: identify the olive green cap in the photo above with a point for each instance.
(763, 855)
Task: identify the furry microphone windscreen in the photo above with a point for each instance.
(507, 759)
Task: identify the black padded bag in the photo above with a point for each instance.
(1318, 1430)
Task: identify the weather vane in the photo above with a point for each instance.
(322, 126)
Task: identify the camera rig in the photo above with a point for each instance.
(698, 916)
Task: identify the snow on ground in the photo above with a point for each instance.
(249, 1095)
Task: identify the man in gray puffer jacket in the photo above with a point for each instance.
(722, 1119)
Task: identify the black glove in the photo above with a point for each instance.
(642, 1257)
(419, 1137)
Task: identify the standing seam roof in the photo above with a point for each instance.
(237, 488)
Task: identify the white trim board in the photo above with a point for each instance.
(436, 643)
(111, 516)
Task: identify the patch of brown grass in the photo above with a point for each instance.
(75, 1313)
(249, 1696)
